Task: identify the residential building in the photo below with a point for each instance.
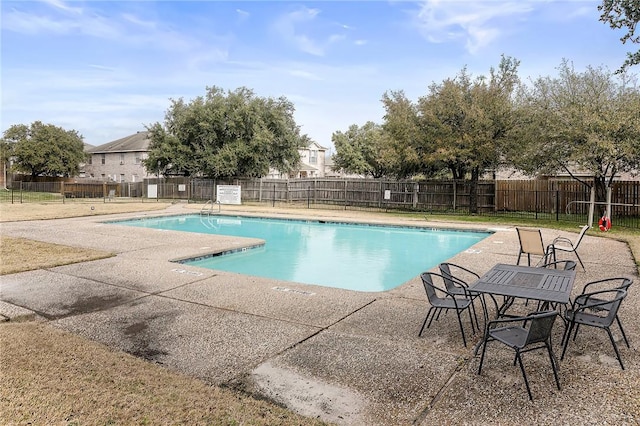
(312, 164)
(331, 173)
(120, 160)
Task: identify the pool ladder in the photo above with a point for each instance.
(208, 207)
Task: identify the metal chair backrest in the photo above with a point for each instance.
(540, 326)
(531, 241)
(615, 305)
(429, 286)
(567, 265)
(446, 274)
(582, 232)
(434, 292)
(626, 283)
(598, 302)
(453, 283)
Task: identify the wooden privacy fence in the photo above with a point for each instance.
(89, 190)
(564, 197)
(432, 196)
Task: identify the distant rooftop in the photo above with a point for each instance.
(136, 142)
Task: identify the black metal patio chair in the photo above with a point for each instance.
(441, 299)
(533, 333)
(595, 309)
(458, 278)
(567, 245)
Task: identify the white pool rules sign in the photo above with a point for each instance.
(228, 194)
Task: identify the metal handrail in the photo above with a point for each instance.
(598, 202)
(210, 204)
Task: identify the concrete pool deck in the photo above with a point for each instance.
(346, 357)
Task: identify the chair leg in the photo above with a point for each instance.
(464, 340)
(615, 347)
(439, 311)
(565, 338)
(484, 348)
(579, 260)
(473, 328)
(622, 330)
(495, 303)
(524, 374)
(575, 333)
(554, 366)
(425, 321)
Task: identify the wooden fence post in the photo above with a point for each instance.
(345, 194)
(592, 204)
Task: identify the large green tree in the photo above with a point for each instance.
(401, 125)
(360, 150)
(582, 123)
(623, 14)
(226, 134)
(44, 149)
(462, 124)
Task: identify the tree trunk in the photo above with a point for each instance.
(473, 191)
(601, 193)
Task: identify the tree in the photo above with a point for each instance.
(6, 152)
(360, 150)
(619, 14)
(466, 122)
(44, 149)
(580, 122)
(228, 134)
(404, 154)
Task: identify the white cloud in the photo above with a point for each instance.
(477, 23)
(125, 28)
(304, 74)
(63, 6)
(297, 27)
(288, 28)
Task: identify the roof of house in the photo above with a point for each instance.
(307, 168)
(136, 142)
(317, 146)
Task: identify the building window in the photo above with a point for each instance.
(103, 158)
(121, 178)
(122, 158)
(138, 159)
(313, 157)
(91, 159)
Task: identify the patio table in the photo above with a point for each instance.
(547, 285)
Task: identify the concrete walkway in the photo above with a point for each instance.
(347, 357)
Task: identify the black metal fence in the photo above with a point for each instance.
(551, 200)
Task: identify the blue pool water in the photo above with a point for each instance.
(349, 256)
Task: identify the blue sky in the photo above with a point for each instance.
(107, 69)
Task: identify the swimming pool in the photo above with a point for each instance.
(343, 255)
